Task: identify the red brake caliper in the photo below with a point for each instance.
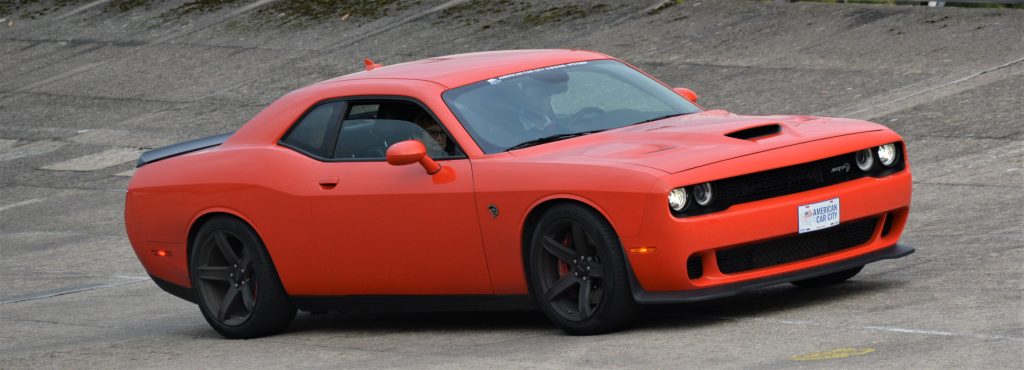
(563, 268)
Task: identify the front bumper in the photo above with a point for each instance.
(677, 240)
(653, 297)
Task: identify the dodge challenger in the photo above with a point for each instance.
(563, 180)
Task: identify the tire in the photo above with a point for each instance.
(830, 279)
(562, 272)
(229, 264)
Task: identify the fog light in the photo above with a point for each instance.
(678, 200)
(865, 159)
(702, 194)
(887, 154)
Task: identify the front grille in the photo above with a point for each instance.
(786, 180)
(694, 267)
(796, 247)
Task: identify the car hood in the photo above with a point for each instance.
(685, 142)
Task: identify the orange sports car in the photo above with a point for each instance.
(564, 180)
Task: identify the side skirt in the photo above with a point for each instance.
(414, 303)
(387, 303)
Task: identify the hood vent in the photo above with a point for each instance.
(754, 133)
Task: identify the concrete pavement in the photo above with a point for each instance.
(86, 85)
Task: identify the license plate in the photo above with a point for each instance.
(817, 216)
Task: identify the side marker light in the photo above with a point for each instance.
(642, 250)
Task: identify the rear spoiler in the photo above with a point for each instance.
(154, 155)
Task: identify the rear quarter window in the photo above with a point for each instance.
(310, 134)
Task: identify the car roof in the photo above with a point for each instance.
(461, 69)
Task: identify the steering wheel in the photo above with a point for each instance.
(583, 115)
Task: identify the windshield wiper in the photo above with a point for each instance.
(548, 139)
(659, 118)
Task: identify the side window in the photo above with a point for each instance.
(311, 133)
(372, 126)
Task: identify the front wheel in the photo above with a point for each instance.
(577, 273)
(234, 281)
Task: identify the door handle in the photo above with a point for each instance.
(328, 183)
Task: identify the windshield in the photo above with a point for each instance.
(547, 104)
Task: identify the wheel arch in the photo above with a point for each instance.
(543, 205)
(201, 218)
(623, 307)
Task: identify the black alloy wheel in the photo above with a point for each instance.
(235, 285)
(225, 273)
(577, 271)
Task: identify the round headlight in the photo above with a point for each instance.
(864, 159)
(887, 154)
(702, 194)
(677, 199)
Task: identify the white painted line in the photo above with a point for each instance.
(153, 43)
(92, 162)
(235, 13)
(69, 291)
(247, 8)
(912, 331)
(30, 149)
(83, 8)
(353, 40)
(60, 76)
(122, 138)
(98, 136)
(21, 203)
(890, 329)
(933, 88)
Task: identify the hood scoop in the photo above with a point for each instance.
(756, 132)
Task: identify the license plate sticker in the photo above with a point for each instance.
(817, 216)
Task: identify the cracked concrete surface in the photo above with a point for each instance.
(83, 84)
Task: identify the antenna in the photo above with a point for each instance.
(370, 65)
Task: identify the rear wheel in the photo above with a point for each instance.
(830, 279)
(234, 281)
(577, 273)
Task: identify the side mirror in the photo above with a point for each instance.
(409, 152)
(686, 93)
